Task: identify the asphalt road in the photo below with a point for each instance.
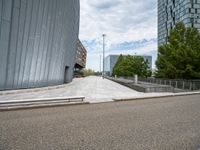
(167, 124)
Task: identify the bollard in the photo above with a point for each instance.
(136, 79)
(191, 86)
(183, 85)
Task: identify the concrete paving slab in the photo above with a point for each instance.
(94, 89)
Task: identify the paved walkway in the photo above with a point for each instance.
(95, 89)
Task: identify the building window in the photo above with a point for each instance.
(192, 20)
(189, 10)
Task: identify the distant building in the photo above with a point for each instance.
(81, 55)
(111, 60)
(172, 11)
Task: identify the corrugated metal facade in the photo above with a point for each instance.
(37, 42)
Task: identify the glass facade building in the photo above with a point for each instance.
(172, 11)
(111, 60)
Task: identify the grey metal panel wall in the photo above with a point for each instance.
(37, 41)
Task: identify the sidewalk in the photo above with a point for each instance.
(95, 89)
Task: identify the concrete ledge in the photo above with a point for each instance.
(68, 99)
(29, 90)
(33, 106)
(38, 103)
(154, 97)
(143, 87)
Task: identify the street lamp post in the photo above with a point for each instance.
(103, 73)
(100, 64)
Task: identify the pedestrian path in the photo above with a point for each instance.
(94, 89)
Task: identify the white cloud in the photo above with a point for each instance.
(122, 21)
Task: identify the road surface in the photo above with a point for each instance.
(166, 123)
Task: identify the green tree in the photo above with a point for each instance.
(180, 57)
(88, 72)
(130, 66)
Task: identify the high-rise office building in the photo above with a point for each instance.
(172, 11)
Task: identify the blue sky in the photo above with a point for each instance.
(130, 26)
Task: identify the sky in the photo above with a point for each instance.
(130, 27)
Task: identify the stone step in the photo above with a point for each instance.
(37, 103)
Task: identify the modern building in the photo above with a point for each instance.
(111, 60)
(37, 42)
(81, 55)
(172, 11)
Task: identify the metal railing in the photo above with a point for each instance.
(191, 85)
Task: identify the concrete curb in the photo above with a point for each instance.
(55, 99)
(43, 104)
(35, 106)
(9, 92)
(154, 97)
(38, 103)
